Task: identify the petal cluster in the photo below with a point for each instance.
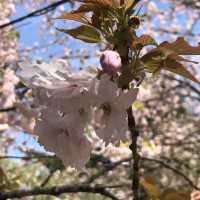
(110, 119)
(70, 102)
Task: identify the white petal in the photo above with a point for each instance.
(110, 128)
(47, 135)
(106, 89)
(74, 151)
(127, 98)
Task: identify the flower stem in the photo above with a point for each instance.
(136, 156)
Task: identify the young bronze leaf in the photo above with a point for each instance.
(102, 3)
(171, 194)
(177, 68)
(180, 58)
(79, 17)
(84, 33)
(146, 40)
(153, 61)
(109, 3)
(87, 8)
(130, 4)
(142, 41)
(150, 187)
(181, 47)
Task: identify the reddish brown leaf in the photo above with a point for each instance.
(181, 47)
(87, 8)
(154, 62)
(103, 3)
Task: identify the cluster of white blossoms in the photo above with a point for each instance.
(8, 41)
(68, 103)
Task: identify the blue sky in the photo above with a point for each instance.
(29, 35)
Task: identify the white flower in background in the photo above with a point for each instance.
(53, 75)
(117, 153)
(42, 74)
(29, 114)
(110, 117)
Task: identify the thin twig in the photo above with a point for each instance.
(27, 157)
(136, 157)
(35, 13)
(107, 169)
(56, 191)
(8, 109)
(47, 179)
(176, 171)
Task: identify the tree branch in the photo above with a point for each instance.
(108, 168)
(179, 173)
(27, 157)
(56, 191)
(136, 157)
(35, 13)
(7, 109)
(47, 179)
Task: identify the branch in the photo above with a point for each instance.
(35, 13)
(165, 165)
(47, 179)
(56, 191)
(136, 157)
(185, 83)
(8, 109)
(27, 157)
(107, 168)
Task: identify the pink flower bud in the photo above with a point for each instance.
(110, 62)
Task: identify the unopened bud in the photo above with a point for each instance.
(134, 22)
(110, 62)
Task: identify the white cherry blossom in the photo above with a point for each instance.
(110, 118)
(70, 102)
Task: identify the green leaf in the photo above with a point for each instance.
(12, 35)
(152, 60)
(79, 17)
(138, 105)
(155, 61)
(177, 68)
(1, 74)
(84, 33)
